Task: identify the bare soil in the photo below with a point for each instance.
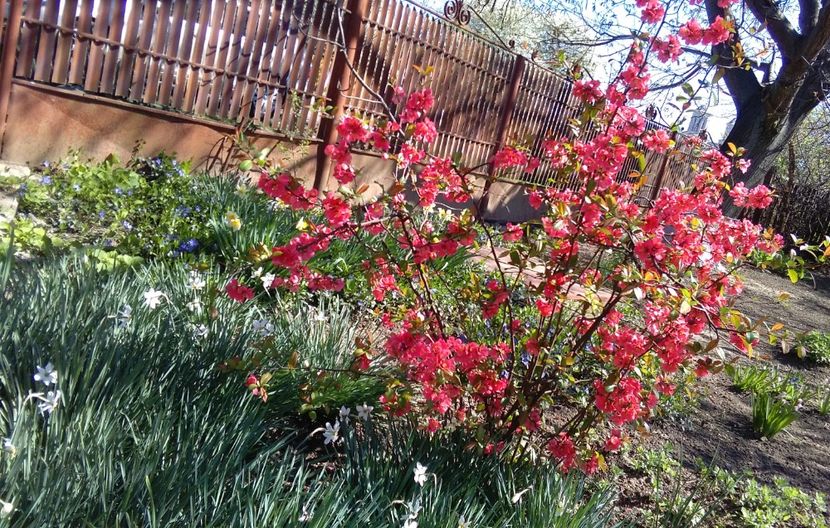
(720, 430)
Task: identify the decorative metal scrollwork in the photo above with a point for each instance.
(456, 10)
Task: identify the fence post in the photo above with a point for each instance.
(661, 173)
(339, 86)
(7, 61)
(511, 94)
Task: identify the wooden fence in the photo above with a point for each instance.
(279, 63)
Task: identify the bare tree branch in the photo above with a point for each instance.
(808, 15)
(778, 26)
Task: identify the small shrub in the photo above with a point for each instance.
(816, 346)
(146, 207)
(770, 416)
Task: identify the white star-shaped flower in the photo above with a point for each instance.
(49, 402)
(196, 281)
(332, 433)
(46, 375)
(363, 411)
(420, 473)
(152, 298)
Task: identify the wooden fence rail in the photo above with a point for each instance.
(279, 63)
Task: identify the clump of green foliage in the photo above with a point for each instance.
(770, 415)
(816, 346)
(149, 207)
(708, 496)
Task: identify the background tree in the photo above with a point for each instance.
(774, 70)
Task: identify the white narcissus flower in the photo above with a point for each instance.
(46, 375)
(363, 411)
(49, 402)
(344, 414)
(195, 306)
(6, 508)
(267, 280)
(420, 473)
(332, 433)
(410, 523)
(262, 327)
(196, 281)
(8, 446)
(152, 298)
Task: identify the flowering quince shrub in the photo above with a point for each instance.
(568, 358)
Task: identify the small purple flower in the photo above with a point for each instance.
(46, 180)
(22, 189)
(190, 246)
(183, 211)
(118, 191)
(126, 225)
(101, 215)
(526, 358)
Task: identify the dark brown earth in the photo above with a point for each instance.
(720, 430)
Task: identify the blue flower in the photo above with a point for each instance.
(126, 225)
(183, 211)
(101, 215)
(190, 246)
(46, 180)
(526, 358)
(118, 191)
(22, 189)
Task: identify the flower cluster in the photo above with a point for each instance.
(506, 349)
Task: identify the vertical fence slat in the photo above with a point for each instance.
(193, 10)
(228, 29)
(222, 10)
(96, 54)
(265, 38)
(145, 36)
(113, 53)
(28, 41)
(159, 42)
(125, 69)
(169, 66)
(59, 71)
(77, 62)
(46, 43)
(254, 33)
(243, 17)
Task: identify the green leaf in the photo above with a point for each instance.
(793, 275)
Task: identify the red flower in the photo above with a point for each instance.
(239, 292)
(562, 448)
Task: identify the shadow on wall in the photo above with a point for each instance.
(509, 203)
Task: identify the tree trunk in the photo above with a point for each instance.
(764, 136)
